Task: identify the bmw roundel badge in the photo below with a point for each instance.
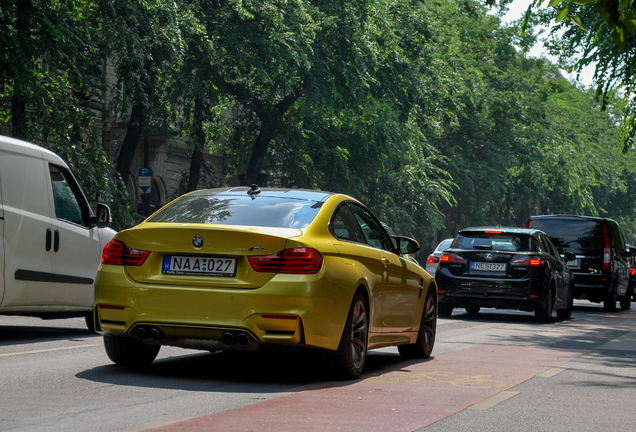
(197, 241)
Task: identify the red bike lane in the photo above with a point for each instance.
(404, 399)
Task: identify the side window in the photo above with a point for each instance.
(550, 247)
(616, 239)
(371, 228)
(67, 197)
(345, 227)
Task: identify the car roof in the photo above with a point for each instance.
(514, 230)
(570, 216)
(302, 194)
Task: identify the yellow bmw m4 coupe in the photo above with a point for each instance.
(236, 268)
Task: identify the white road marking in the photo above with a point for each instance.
(552, 372)
(47, 350)
(149, 426)
(492, 401)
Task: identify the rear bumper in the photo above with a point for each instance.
(492, 292)
(288, 310)
(591, 287)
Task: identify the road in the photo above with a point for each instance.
(497, 371)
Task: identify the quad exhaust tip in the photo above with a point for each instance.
(229, 338)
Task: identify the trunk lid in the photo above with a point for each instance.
(223, 244)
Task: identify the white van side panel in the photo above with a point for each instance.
(1, 240)
(26, 208)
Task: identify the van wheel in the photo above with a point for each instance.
(473, 310)
(349, 359)
(444, 310)
(126, 351)
(609, 304)
(626, 302)
(90, 321)
(423, 346)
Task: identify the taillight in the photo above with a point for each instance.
(450, 257)
(528, 224)
(117, 253)
(291, 261)
(492, 232)
(432, 259)
(606, 249)
(529, 261)
(632, 271)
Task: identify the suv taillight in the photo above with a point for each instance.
(606, 249)
(450, 257)
(432, 259)
(291, 261)
(117, 253)
(532, 261)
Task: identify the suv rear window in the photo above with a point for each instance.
(512, 242)
(579, 236)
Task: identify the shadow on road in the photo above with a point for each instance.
(24, 335)
(266, 371)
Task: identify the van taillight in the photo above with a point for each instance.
(290, 261)
(117, 253)
(606, 249)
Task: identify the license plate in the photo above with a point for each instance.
(199, 266)
(573, 264)
(486, 266)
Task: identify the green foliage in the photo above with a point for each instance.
(429, 112)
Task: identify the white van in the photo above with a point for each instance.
(50, 240)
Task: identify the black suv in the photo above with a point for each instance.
(601, 266)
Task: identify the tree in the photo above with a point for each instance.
(599, 33)
(51, 73)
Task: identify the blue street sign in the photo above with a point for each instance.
(145, 179)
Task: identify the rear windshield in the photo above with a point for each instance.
(579, 236)
(512, 242)
(263, 211)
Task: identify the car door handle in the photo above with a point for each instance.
(56, 241)
(386, 262)
(48, 239)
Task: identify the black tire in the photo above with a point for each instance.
(423, 346)
(609, 304)
(567, 312)
(90, 321)
(626, 302)
(349, 359)
(473, 310)
(544, 313)
(444, 310)
(126, 351)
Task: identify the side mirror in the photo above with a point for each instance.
(407, 245)
(568, 256)
(103, 217)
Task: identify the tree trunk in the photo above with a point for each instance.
(197, 154)
(269, 120)
(259, 150)
(18, 103)
(18, 117)
(131, 141)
